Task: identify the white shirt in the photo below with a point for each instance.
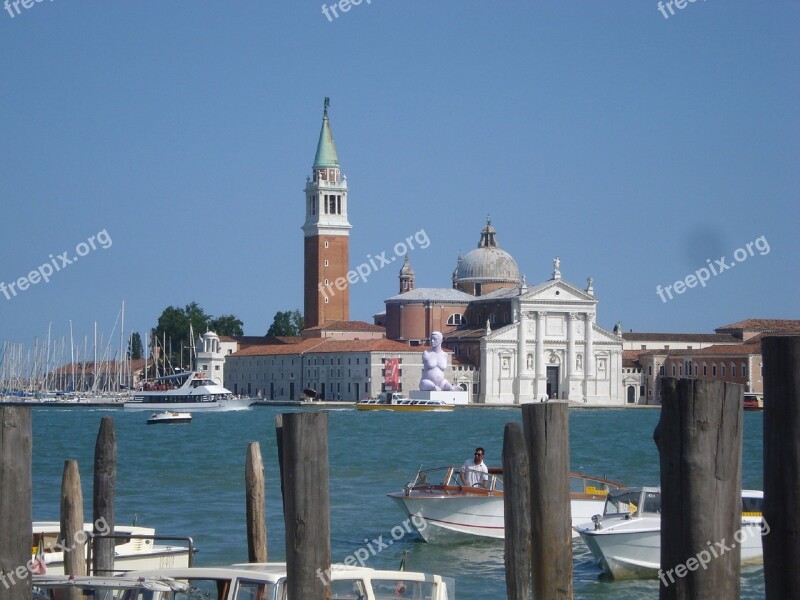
(473, 474)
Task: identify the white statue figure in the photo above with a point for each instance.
(434, 362)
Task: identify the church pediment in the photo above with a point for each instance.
(557, 290)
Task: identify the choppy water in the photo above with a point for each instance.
(189, 480)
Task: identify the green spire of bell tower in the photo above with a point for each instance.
(326, 150)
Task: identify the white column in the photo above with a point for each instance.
(571, 318)
(541, 368)
(522, 345)
(588, 361)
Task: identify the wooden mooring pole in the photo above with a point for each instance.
(254, 493)
(105, 481)
(547, 437)
(306, 505)
(72, 537)
(279, 441)
(15, 503)
(781, 466)
(516, 502)
(699, 438)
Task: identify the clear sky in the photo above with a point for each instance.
(633, 146)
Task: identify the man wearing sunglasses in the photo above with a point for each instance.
(474, 472)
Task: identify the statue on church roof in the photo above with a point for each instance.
(556, 268)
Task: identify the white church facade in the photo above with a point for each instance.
(553, 350)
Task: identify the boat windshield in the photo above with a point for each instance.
(622, 502)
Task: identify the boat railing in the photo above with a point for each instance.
(451, 477)
(591, 486)
(138, 536)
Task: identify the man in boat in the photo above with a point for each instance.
(474, 472)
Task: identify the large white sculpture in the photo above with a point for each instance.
(434, 362)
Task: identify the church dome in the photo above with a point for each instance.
(487, 263)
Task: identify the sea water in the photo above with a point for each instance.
(188, 480)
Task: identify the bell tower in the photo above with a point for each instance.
(327, 235)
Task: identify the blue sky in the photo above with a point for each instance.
(632, 146)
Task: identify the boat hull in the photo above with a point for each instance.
(167, 558)
(217, 405)
(459, 516)
(637, 554)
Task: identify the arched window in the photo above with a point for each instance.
(714, 370)
(733, 370)
(456, 319)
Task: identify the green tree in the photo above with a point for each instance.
(286, 323)
(135, 350)
(227, 325)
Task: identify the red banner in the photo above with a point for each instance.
(391, 375)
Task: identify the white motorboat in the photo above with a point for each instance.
(626, 540)
(134, 547)
(267, 581)
(189, 391)
(169, 417)
(442, 508)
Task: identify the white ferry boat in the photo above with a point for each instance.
(189, 391)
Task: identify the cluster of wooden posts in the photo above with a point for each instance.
(699, 437)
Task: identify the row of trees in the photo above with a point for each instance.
(175, 323)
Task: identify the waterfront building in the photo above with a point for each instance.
(731, 354)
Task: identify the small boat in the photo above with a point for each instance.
(753, 402)
(267, 581)
(189, 390)
(399, 402)
(134, 547)
(442, 508)
(169, 417)
(626, 540)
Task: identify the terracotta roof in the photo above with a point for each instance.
(279, 349)
(381, 345)
(317, 345)
(346, 326)
(764, 325)
(635, 336)
(751, 346)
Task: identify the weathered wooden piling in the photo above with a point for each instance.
(72, 537)
(516, 502)
(547, 437)
(781, 466)
(105, 481)
(254, 495)
(307, 506)
(15, 502)
(279, 441)
(699, 438)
